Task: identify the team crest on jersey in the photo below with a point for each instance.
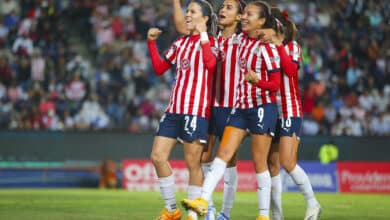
(236, 40)
(242, 62)
(184, 64)
(257, 50)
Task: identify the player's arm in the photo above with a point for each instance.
(272, 84)
(178, 18)
(160, 65)
(208, 57)
(289, 67)
(272, 61)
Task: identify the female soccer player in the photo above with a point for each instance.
(226, 80)
(186, 117)
(289, 125)
(255, 109)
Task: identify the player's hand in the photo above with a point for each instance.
(201, 26)
(269, 35)
(251, 77)
(154, 33)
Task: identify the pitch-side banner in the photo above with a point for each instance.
(139, 175)
(323, 177)
(364, 177)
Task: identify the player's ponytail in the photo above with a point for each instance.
(288, 27)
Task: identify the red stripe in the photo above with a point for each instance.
(203, 91)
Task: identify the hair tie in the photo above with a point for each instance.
(285, 15)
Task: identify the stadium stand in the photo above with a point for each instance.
(83, 65)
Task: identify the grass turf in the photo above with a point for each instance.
(88, 204)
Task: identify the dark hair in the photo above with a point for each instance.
(207, 10)
(288, 27)
(265, 13)
(241, 6)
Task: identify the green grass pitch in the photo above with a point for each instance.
(89, 204)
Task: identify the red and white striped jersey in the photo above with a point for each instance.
(289, 103)
(227, 77)
(262, 59)
(192, 90)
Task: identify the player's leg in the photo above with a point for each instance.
(276, 181)
(229, 188)
(205, 163)
(231, 140)
(161, 150)
(192, 154)
(261, 144)
(288, 158)
(262, 127)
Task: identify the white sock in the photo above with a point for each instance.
(167, 188)
(264, 192)
(193, 193)
(302, 181)
(276, 196)
(216, 172)
(229, 189)
(206, 170)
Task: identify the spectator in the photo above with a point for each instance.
(345, 62)
(23, 45)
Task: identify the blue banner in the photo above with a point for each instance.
(323, 178)
(10, 178)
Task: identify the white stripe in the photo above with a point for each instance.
(288, 96)
(295, 51)
(228, 72)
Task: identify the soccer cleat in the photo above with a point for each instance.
(189, 218)
(260, 217)
(313, 213)
(167, 215)
(222, 216)
(211, 213)
(198, 205)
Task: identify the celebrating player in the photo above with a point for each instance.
(186, 117)
(255, 109)
(226, 80)
(287, 138)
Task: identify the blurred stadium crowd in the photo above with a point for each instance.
(83, 65)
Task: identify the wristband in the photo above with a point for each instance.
(204, 36)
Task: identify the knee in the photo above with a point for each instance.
(157, 159)
(224, 154)
(274, 167)
(192, 162)
(288, 164)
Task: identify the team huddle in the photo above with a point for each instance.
(236, 75)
